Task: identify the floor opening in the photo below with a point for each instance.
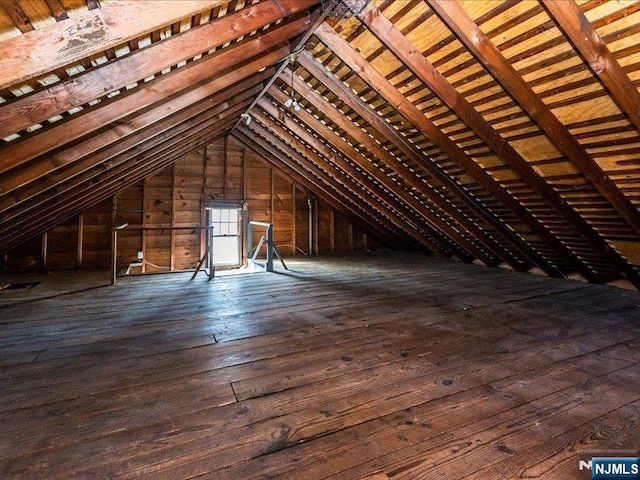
(19, 286)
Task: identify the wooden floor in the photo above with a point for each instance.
(382, 366)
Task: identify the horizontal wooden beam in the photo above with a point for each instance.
(87, 33)
(82, 88)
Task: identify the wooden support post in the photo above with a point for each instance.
(225, 154)
(114, 256)
(243, 230)
(249, 240)
(270, 247)
(267, 238)
(244, 174)
(172, 251)
(350, 236)
(271, 195)
(80, 250)
(114, 210)
(310, 225)
(332, 232)
(210, 246)
(144, 222)
(44, 250)
(246, 252)
(316, 230)
(114, 252)
(203, 215)
(293, 219)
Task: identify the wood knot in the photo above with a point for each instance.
(598, 64)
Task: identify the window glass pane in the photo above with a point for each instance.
(216, 215)
(233, 228)
(226, 251)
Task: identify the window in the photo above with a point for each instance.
(227, 234)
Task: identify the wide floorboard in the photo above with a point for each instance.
(381, 366)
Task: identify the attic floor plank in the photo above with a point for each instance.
(383, 366)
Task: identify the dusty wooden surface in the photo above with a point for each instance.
(380, 366)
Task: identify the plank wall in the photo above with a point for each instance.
(175, 196)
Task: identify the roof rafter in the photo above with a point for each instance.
(16, 184)
(310, 172)
(378, 123)
(462, 25)
(34, 54)
(438, 84)
(110, 183)
(408, 177)
(17, 15)
(39, 106)
(41, 194)
(330, 180)
(157, 90)
(317, 17)
(58, 11)
(259, 147)
(339, 168)
(335, 160)
(570, 18)
(385, 89)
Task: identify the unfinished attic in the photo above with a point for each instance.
(452, 188)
